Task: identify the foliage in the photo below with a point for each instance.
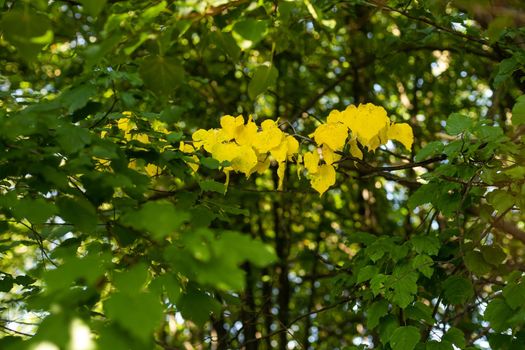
(130, 220)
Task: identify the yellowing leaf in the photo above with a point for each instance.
(246, 134)
(268, 138)
(335, 116)
(334, 135)
(262, 165)
(293, 146)
(329, 156)
(354, 149)
(207, 138)
(142, 138)
(225, 151)
(230, 124)
(323, 179)
(152, 169)
(194, 166)
(280, 173)
(311, 161)
(403, 133)
(186, 148)
(279, 153)
(245, 160)
(366, 123)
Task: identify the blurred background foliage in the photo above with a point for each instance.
(110, 241)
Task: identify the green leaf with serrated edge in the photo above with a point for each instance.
(493, 254)
(518, 111)
(212, 186)
(457, 290)
(160, 218)
(498, 313)
(366, 273)
(423, 263)
(455, 336)
(458, 123)
(431, 149)
(374, 312)
(28, 31)
(474, 262)
(426, 244)
(161, 74)
(263, 77)
(404, 338)
(514, 295)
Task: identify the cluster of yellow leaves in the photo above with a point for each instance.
(367, 124)
(246, 147)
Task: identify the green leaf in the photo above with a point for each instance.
(249, 32)
(501, 200)
(458, 123)
(457, 290)
(405, 338)
(455, 336)
(404, 283)
(439, 345)
(77, 97)
(423, 263)
(6, 283)
(263, 77)
(93, 7)
(198, 306)
(29, 32)
(366, 273)
(505, 70)
(474, 262)
(419, 312)
(493, 254)
(210, 163)
(151, 12)
(374, 313)
(212, 186)
(386, 328)
(431, 149)
(426, 244)
(37, 211)
(72, 138)
(131, 280)
(514, 295)
(160, 218)
(137, 312)
(161, 74)
(79, 212)
(498, 314)
(518, 111)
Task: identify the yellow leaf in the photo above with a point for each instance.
(293, 146)
(194, 166)
(207, 138)
(329, 156)
(152, 169)
(142, 138)
(245, 160)
(225, 151)
(335, 116)
(403, 133)
(366, 123)
(280, 173)
(270, 137)
(279, 153)
(186, 148)
(334, 135)
(311, 161)
(230, 124)
(323, 179)
(262, 165)
(246, 134)
(354, 149)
